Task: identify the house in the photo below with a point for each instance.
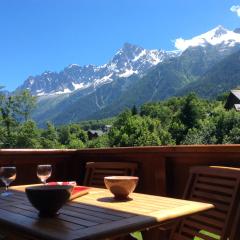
(94, 133)
(233, 100)
(106, 128)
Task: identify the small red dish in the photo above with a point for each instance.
(77, 191)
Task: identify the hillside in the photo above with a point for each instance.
(135, 76)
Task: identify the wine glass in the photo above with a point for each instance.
(7, 175)
(44, 172)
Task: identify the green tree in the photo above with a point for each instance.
(225, 122)
(78, 132)
(205, 134)
(14, 109)
(177, 131)
(233, 136)
(28, 136)
(191, 112)
(75, 143)
(158, 111)
(64, 135)
(25, 103)
(100, 142)
(134, 130)
(49, 137)
(134, 110)
(72, 136)
(8, 119)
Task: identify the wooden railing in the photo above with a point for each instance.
(162, 170)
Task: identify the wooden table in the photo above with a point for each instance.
(93, 216)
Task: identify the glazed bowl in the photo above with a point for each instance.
(121, 186)
(48, 199)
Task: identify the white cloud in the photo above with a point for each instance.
(181, 44)
(235, 9)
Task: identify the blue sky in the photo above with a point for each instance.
(39, 35)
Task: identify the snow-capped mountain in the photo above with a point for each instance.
(132, 77)
(129, 60)
(217, 36)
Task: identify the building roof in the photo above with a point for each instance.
(97, 132)
(237, 107)
(236, 93)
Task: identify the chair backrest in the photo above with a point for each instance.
(235, 233)
(216, 185)
(96, 171)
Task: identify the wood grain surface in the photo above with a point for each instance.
(96, 215)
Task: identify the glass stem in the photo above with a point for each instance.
(7, 187)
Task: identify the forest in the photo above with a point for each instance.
(178, 120)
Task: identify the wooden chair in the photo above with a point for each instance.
(96, 171)
(219, 186)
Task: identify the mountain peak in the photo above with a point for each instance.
(237, 30)
(128, 45)
(219, 31)
(218, 35)
(130, 59)
(73, 65)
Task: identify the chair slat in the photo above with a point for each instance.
(96, 171)
(216, 185)
(215, 215)
(108, 171)
(213, 188)
(177, 236)
(203, 236)
(218, 206)
(196, 233)
(223, 182)
(202, 226)
(213, 196)
(208, 220)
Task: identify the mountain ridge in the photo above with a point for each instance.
(130, 59)
(132, 77)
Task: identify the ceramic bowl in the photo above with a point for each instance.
(121, 186)
(48, 199)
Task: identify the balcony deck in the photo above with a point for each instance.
(162, 170)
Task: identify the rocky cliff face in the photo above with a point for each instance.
(129, 60)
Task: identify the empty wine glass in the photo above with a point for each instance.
(44, 172)
(7, 175)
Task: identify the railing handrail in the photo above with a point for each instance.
(170, 149)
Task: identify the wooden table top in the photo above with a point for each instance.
(93, 216)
